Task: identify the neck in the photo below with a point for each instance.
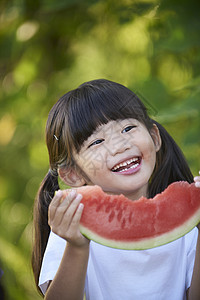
(135, 195)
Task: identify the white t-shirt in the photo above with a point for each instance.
(160, 273)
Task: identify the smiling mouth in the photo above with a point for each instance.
(126, 165)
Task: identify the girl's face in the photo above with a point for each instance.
(120, 157)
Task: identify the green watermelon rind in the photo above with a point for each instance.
(145, 243)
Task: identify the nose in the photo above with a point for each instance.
(118, 144)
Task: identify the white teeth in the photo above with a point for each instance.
(126, 163)
(132, 167)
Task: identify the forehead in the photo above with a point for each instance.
(113, 126)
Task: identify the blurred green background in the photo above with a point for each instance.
(48, 47)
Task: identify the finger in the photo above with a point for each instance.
(77, 217)
(197, 184)
(60, 200)
(70, 212)
(197, 178)
(54, 204)
(62, 210)
(197, 181)
(66, 208)
(73, 229)
(65, 201)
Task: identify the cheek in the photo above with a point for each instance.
(91, 162)
(150, 152)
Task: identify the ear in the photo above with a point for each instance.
(71, 177)
(155, 134)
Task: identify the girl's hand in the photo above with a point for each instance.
(197, 181)
(65, 213)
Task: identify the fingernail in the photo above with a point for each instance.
(197, 184)
(81, 206)
(79, 197)
(58, 193)
(73, 193)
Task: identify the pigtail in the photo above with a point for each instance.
(41, 228)
(171, 164)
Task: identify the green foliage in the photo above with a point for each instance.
(48, 47)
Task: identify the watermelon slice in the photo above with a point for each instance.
(118, 222)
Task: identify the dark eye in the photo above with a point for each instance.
(128, 128)
(96, 142)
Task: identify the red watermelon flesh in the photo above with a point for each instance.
(118, 222)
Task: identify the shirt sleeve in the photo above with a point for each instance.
(51, 260)
(191, 239)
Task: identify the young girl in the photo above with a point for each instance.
(100, 133)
